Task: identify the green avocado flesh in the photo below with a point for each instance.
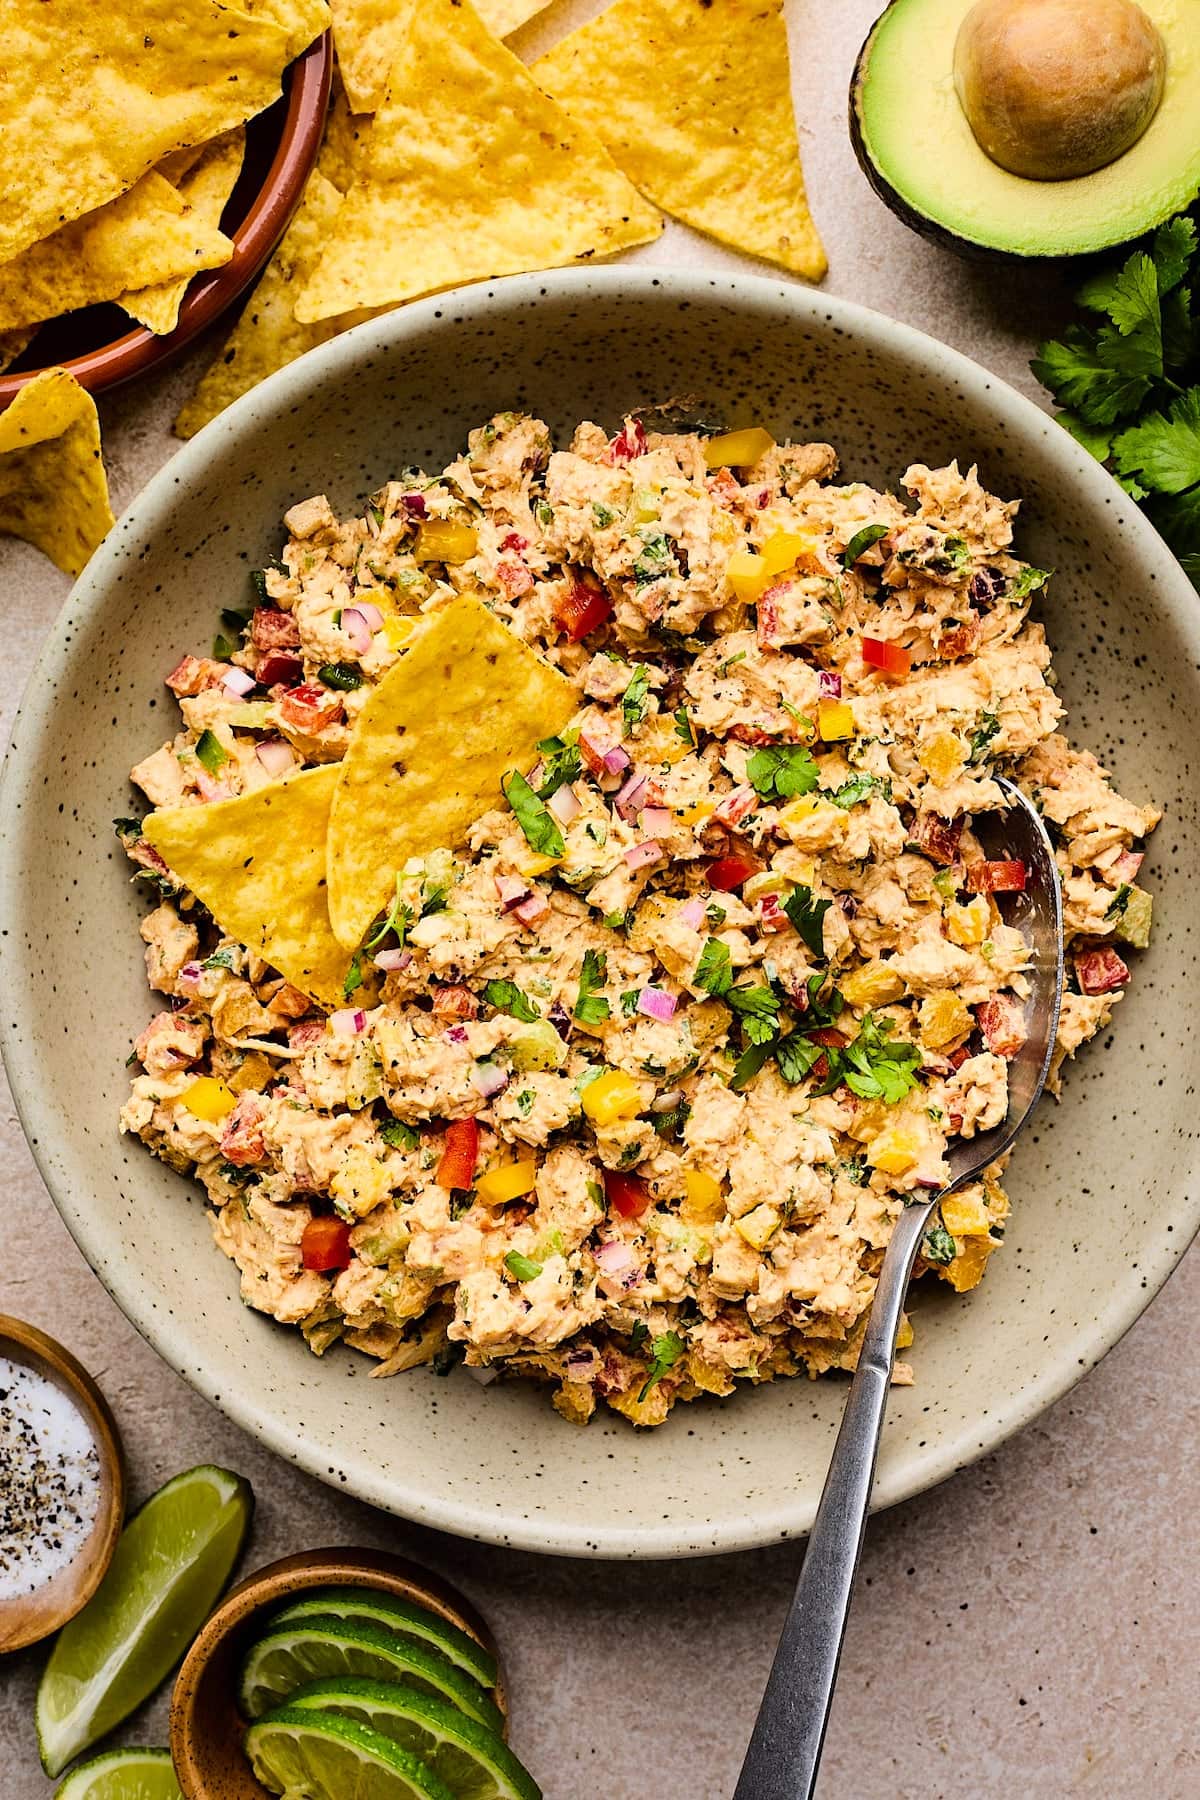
(919, 152)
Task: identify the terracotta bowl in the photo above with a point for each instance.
(97, 344)
(31, 1617)
(206, 1727)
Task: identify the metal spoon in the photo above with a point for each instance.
(785, 1750)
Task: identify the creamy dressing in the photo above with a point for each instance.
(49, 1480)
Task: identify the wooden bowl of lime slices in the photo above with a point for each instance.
(241, 1673)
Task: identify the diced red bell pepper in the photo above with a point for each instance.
(514, 578)
(1127, 865)
(310, 708)
(242, 1139)
(771, 916)
(893, 659)
(1002, 1025)
(582, 609)
(737, 805)
(193, 674)
(514, 542)
(960, 640)
(756, 735)
(454, 1002)
(325, 1244)
(729, 872)
(459, 1155)
(278, 669)
(627, 1195)
(996, 877)
(956, 1058)
(273, 629)
(1100, 971)
(937, 837)
(629, 443)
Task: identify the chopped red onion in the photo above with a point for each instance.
(414, 505)
(564, 804)
(511, 892)
(666, 1102)
(656, 820)
(630, 797)
(370, 613)
(531, 909)
(642, 855)
(614, 1257)
(829, 685)
(560, 1018)
(656, 1003)
(355, 626)
(239, 682)
(348, 1022)
(190, 974)
(455, 1034)
(692, 915)
(536, 775)
(389, 960)
(275, 756)
(579, 1360)
(616, 760)
(489, 1078)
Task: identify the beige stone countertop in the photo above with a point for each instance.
(1030, 1629)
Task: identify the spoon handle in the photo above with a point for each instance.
(785, 1751)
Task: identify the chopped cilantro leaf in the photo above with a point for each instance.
(507, 997)
(716, 915)
(523, 1268)
(561, 762)
(670, 1124)
(748, 1064)
(862, 540)
(541, 831)
(877, 1066)
(543, 512)
(665, 1352)
(639, 1334)
(603, 515)
(683, 725)
(937, 1246)
(730, 662)
(781, 771)
(634, 699)
(591, 1008)
(210, 752)
(220, 959)
(1028, 582)
(807, 915)
(629, 1000)
(860, 787)
(398, 918)
(223, 647)
(981, 737)
(343, 676)
(354, 976)
(797, 1056)
(1119, 902)
(655, 558)
(399, 1135)
(758, 1010)
(713, 972)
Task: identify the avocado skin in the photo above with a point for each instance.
(930, 228)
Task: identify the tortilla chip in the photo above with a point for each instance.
(468, 701)
(303, 20)
(205, 187)
(710, 136)
(53, 490)
(148, 233)
(95, 96)
(13, 343)
(258, 863)
(469, 172)
(368, 36)
(344, 141)
(267, 337)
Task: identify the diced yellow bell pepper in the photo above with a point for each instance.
(798, 868)
(943, 1019)
(748, 576)
(767, 881)
(508, 1182)
(209, 1099)
(904, 1336)
(737, 449)
(894, 1151)
(813, 823)
(942, 756)
(875, 984)
(445, 540)
(397, 629)
(966, 1270)
(965, 1215)
(361, 1184)
(835, 720)
(704, 1201)
(758, 1225)
(643, 507)
(613, 1095)
(783, 550)
(968, 924)
(531, 866)
(696, 815)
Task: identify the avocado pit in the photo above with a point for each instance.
(1054, 89)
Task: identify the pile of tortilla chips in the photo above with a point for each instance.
(446, 160)
(297, 870)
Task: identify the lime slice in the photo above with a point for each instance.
(123, 1775)
(398, 1616)
(470, 1759)
(288, 1656)
(172, 1561)
(323, 1757)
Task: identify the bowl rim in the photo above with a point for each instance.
(305, 92)
(779, 1518)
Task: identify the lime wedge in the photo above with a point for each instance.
(397, 1615)
(123, 1775)
(470, 1759)
(288, 1656)
(172, 1561)
(323, 1757)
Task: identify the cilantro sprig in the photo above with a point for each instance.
(507, 997)
(665, 1353)
(1130, 386)
(782, 771)
(591, 1008)
(541, 831)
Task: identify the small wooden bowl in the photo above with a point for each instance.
(31, 1617)
(206, 1727)
(97, 344)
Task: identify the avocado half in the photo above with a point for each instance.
(919, 154)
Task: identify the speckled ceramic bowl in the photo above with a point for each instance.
(1104, 1194)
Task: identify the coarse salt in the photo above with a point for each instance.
(49, 1480)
